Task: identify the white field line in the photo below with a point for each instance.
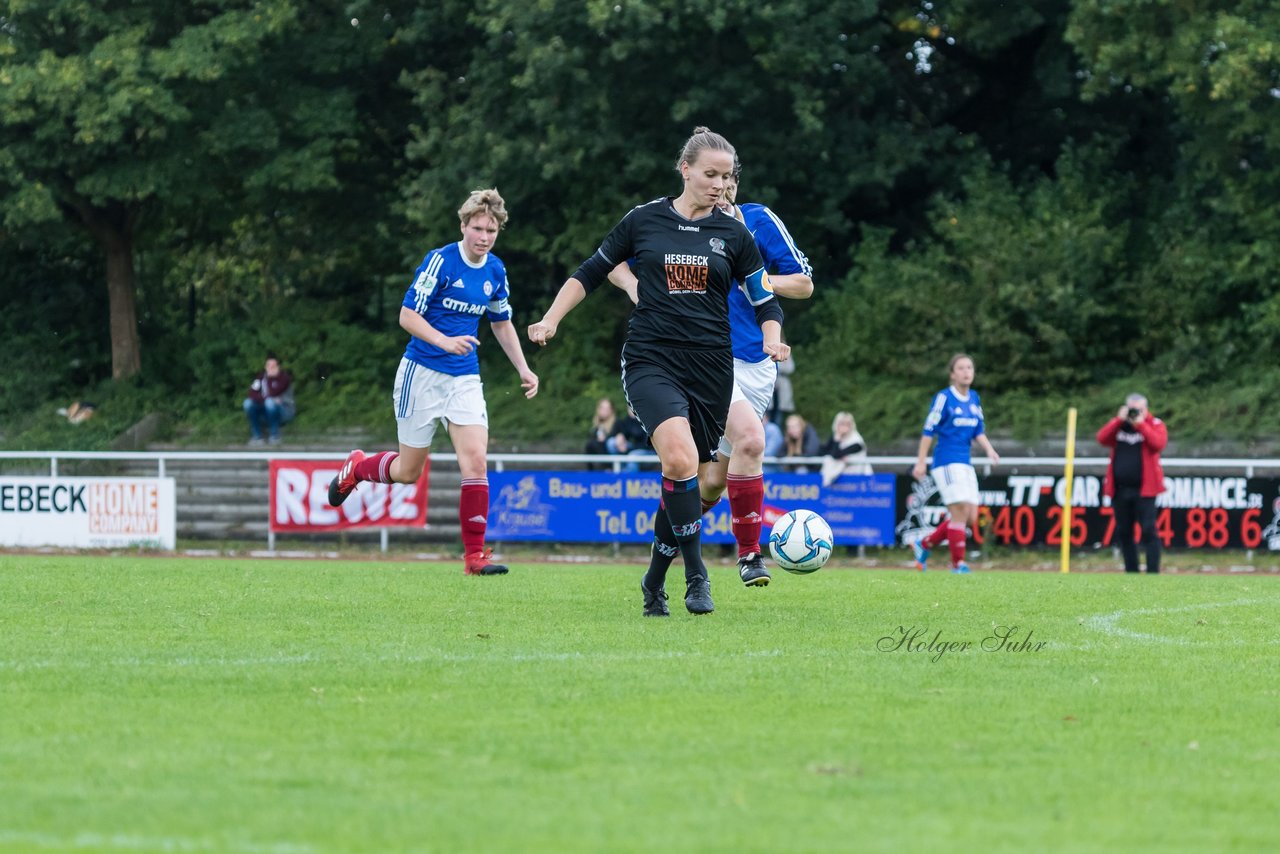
(426, 657)
(129, 842)
(1108, 624)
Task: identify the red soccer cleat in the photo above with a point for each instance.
(345, 483)
(477, 563)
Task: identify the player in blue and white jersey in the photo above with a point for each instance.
(740, 463)
(956, 421)
(439, 376)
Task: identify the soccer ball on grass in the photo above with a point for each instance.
(800, 541)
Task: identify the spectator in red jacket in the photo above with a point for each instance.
(270, 402)
(1134, 477)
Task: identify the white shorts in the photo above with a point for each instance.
(957, 483)
(752, 382)
(422, 397)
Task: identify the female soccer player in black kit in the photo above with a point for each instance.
(677, 362)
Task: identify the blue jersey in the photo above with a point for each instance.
(956, 421)
(781, 256)
(451, 293)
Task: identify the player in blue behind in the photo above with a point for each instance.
(439, 376)
(740, 466)
(956, 421)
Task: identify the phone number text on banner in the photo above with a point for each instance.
(611, 507)
(1024, 510)
(298, 496)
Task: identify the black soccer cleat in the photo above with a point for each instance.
(752, 570)
(697, 596)
(655, 602)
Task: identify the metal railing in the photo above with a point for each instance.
(500, 461)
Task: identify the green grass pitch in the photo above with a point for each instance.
(276, 706)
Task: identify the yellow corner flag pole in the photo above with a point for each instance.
(1066, 499)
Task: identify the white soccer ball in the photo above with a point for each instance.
(801, 541)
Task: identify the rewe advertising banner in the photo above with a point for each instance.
(298, 496)
(88, 512)
(618, 507)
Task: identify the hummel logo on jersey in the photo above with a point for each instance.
(688, 227)
(477, 519)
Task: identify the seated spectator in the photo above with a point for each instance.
(801, 441)
(602, 427)
(270, 403)
(846, 452)
(774, 443)
(629, 438)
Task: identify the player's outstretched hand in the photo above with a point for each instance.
(919, 470)
(994, 458)
(542, 332)
(779, 352)
(529, 382)
(460, 345)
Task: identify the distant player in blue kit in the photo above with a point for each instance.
(740, 466)
(439, 375)
(955, 419)
(677, 361)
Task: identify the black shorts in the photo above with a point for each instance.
(665, 382)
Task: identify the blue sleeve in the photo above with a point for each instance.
(499, 305)
(617, 247)
(777, 246)
(982, 418)
(937, 414)
(426, 279)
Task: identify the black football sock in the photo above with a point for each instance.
(665, 549)
(684, 509)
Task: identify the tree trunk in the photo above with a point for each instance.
(112, 227)
(126, 348)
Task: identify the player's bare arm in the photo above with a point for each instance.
(792, 285)
(986, 446)
(571, 293)
(417, 326)
(921, 468)
(505, 333)
(623, 278)
(777, 349)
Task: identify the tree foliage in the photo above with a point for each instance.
(1075, 191)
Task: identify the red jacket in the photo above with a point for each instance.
(1154, 438)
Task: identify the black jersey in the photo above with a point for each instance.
(686, 269)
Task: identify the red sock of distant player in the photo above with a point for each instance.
(955, 542)
(937, 536)
(707, 504)
(746, 508)
(376, 468)
(473, 513)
